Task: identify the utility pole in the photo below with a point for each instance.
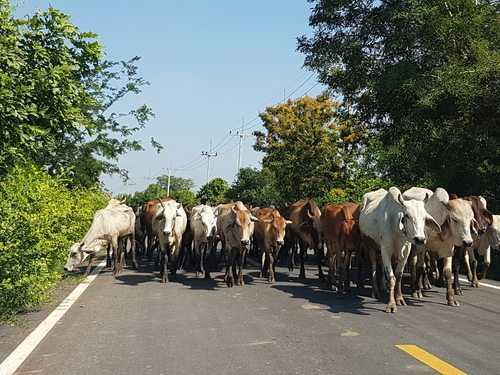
(209, 154)
(241, 134)
(169, 173)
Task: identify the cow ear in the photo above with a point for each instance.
(401, 199)
(288, 222)
(431, 223)
(488, 216)
(445, 228)
(426, 199)
(159, 212)
(400, 222)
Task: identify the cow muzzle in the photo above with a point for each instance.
(419, 240)
(245, 242)
(467, 243)
(280, 243)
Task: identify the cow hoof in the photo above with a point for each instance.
(475, 284)
(391, 308)
(400, 301)
(470, 277)
(453, 303)
(458, 292)
(417, 295)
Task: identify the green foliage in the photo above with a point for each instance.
(255, 187)
(184, 196)
(57, 93)
(310, 148)
(39, 219)
(214, 191)
(153, 191)
(425, 75)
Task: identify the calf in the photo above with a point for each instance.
(340, 230)
(269, 234)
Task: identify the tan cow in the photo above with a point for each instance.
(269, 236)
(234, 227)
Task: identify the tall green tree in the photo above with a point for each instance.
(426, 76)
(308, 146)
(57, 94)
(255, 187)
(214, 191)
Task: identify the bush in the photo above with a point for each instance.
(39, 219)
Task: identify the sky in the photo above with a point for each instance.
(210, 64)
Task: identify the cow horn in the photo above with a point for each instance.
(309, 215)
(401, 200)
(123, 200)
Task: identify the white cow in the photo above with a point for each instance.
(456, 219)
(169, 224)
(110, 226)
(203, 228)
(394, 223)
(483, 245)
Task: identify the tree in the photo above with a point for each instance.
(309, 148)
(153, 191)
(255, 187)
(176, 183)
(214, 191)
(186, 197)
(425, 76)
(57, 92)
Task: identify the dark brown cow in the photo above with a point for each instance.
(340, 230)
(305, 216)
(148, 214)
(269, 236)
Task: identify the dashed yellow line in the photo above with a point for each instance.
(430, 360)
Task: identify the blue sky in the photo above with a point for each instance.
(210, 64)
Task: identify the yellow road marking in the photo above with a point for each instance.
(430, 360)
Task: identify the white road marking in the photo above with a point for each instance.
(349, 333)
(482, 284)
(15, 359)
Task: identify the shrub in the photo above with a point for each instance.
(39, 219)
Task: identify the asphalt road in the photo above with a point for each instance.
(135, 325)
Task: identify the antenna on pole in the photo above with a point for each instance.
(209, 154)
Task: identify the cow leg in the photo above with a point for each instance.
(400, 301)
(133, 250)
(456, 269)
(89, 266)
(360, 279)
(330, 256)
(108, 256)
(347, 271)
(319, 260)
(270, 271)
(241, 258)
(418, 263)
(116, 254)
(386, 260)
(373, 262)
(228, 253)
(467, 263)
(412, 259)
(450, 295)
(164, 266)
(486, 265)
(303, 252)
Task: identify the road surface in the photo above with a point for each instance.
(135, 325)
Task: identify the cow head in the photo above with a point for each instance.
(460, 223)
(75, 256)
(413, 220)
(483, 217)
(310, 227)
(166, 215)
(206, 217)
(494, 232)
(241, 220)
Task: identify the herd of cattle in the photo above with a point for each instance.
(435, 231)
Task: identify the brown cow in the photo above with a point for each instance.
(340, 230)
(269, 236)
(305, 216)
(148, 214)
